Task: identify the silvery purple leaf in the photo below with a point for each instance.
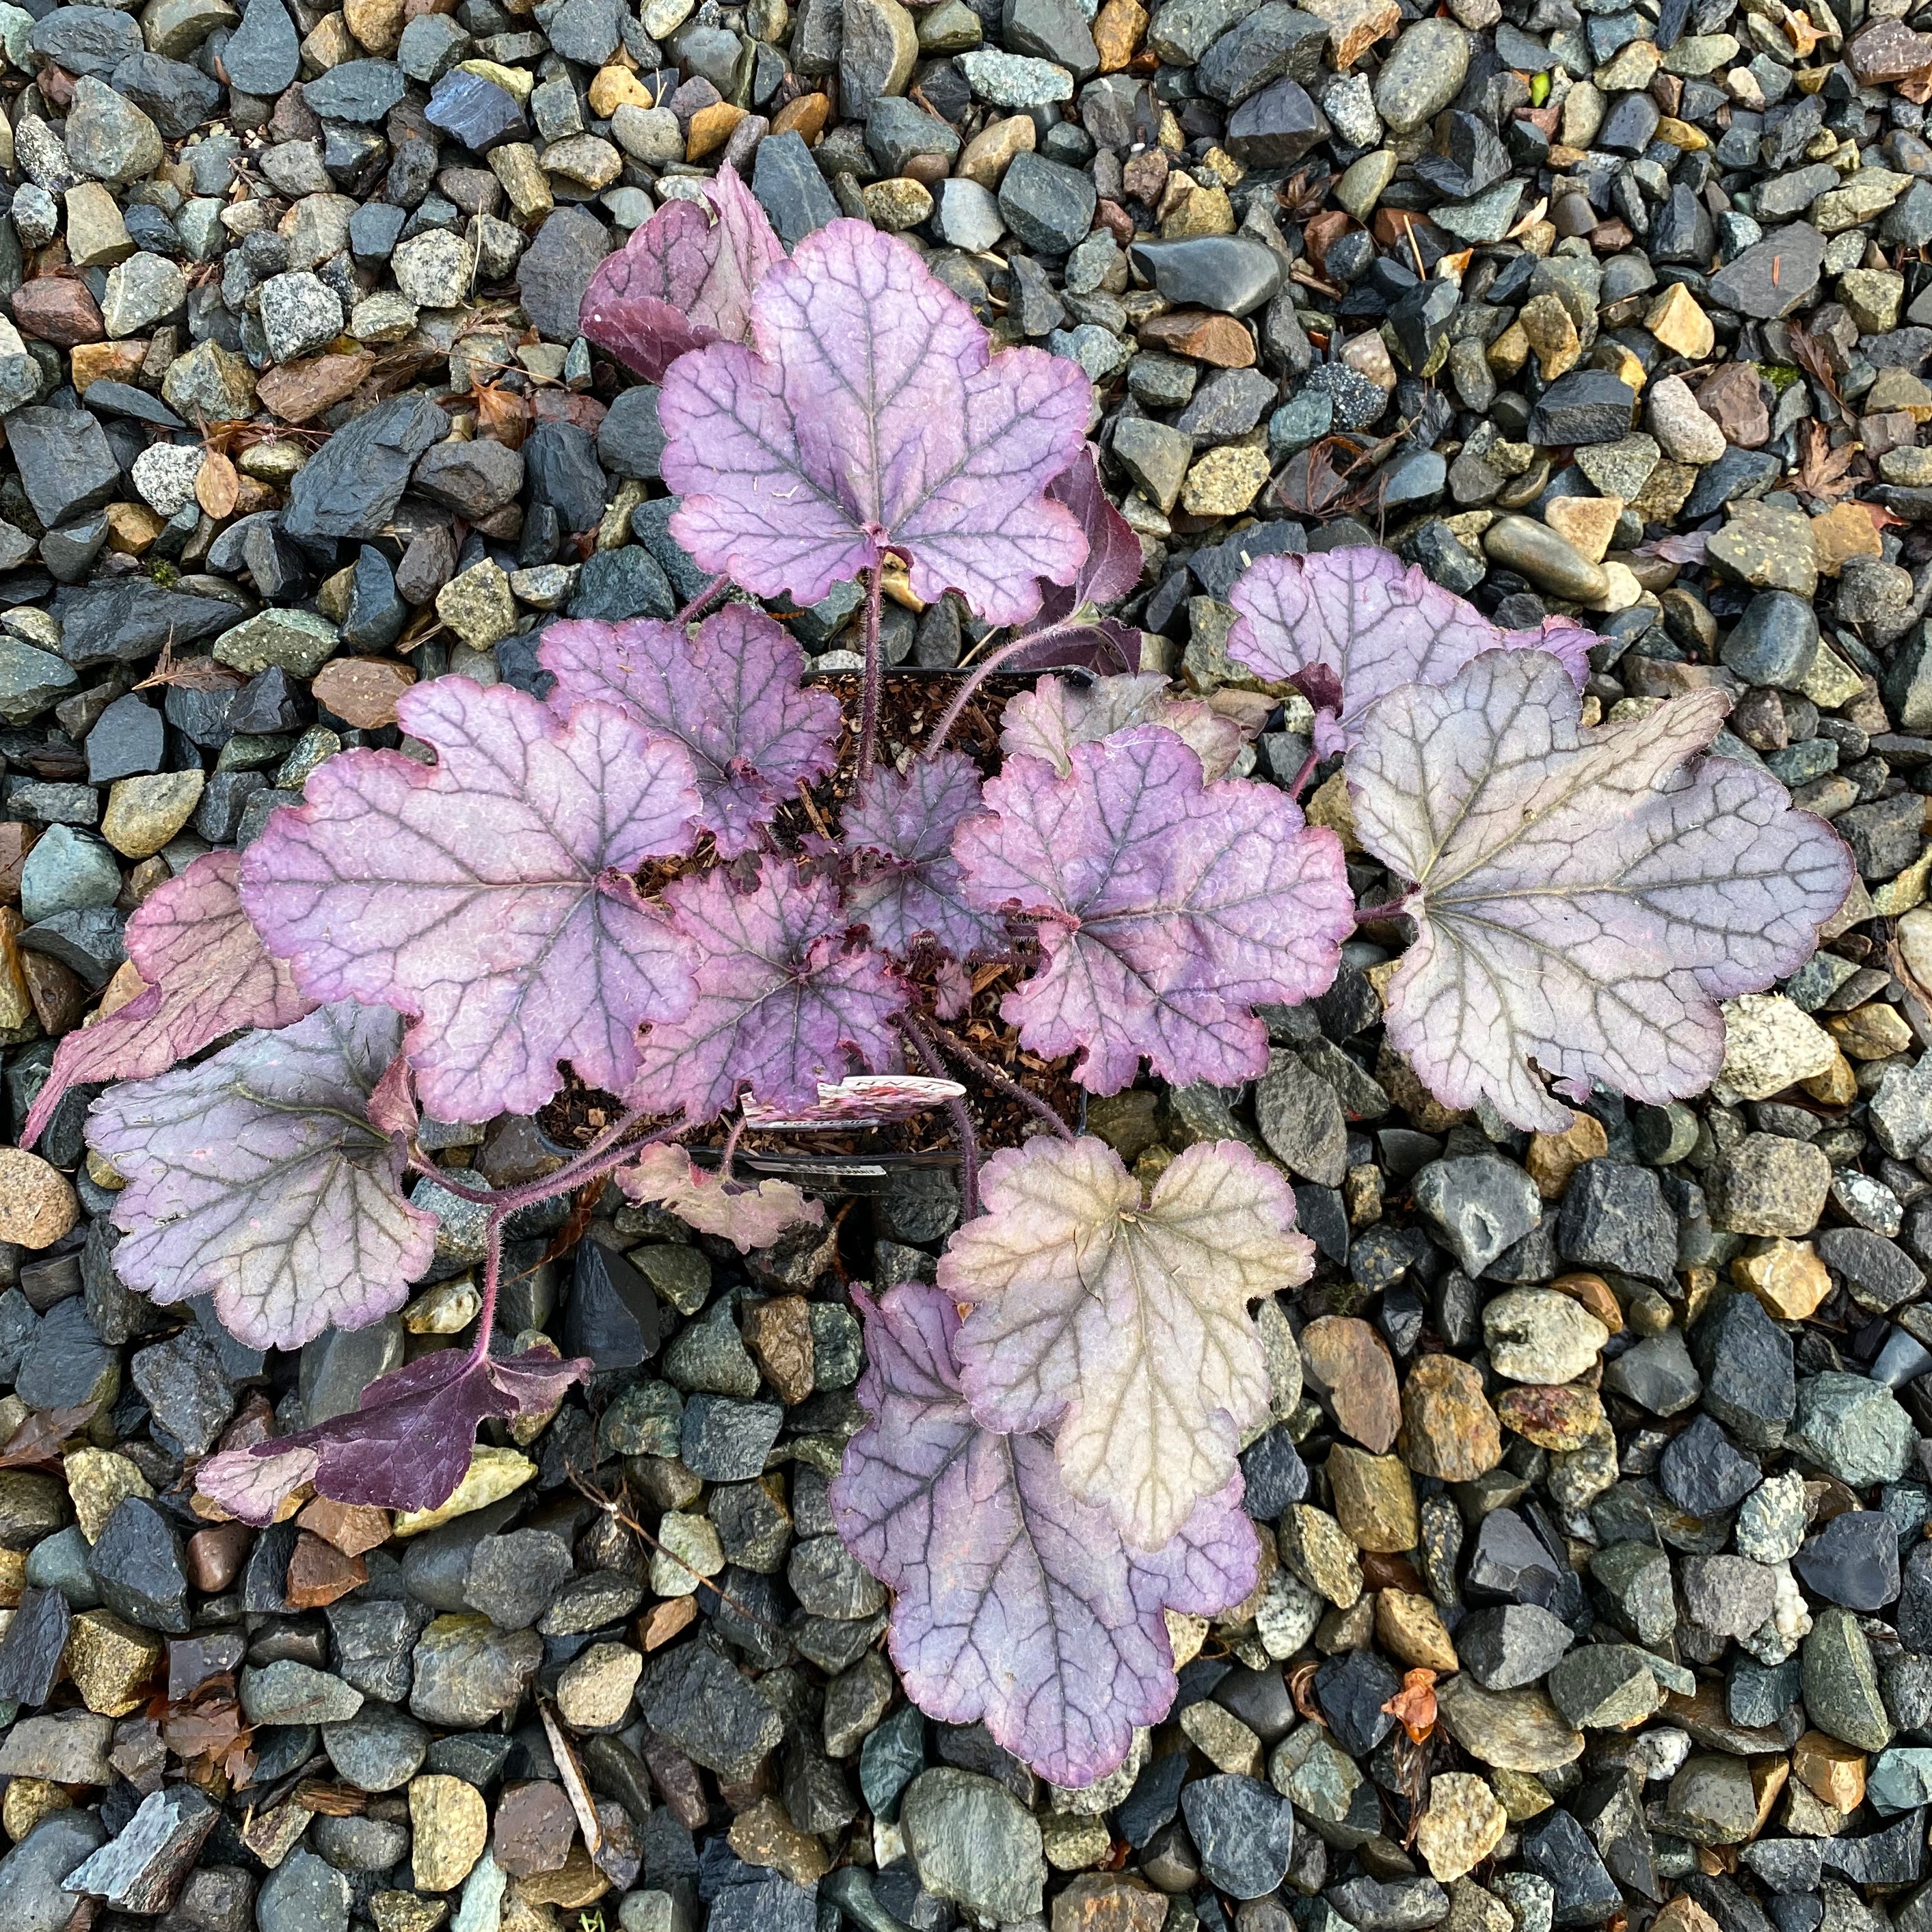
(254, 1176)
(1014, 1604)
(684, 279)
(1124, 1320)
(406, 1446)
(1371, 622)
(208, 973)
(731, 696)
(1169, 909)
(1583, 899)
(909, 883)
(487, 895)
(868, 417)
(1058, 713)
(783, 1000)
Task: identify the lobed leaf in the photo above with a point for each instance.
(1583, 899)
(747, 1216)
(905, 823)
(684, 279)
(1125, 1322)
(1014, 1602)
(731, 695)
(406, 1446)
(255, 1176)
(869, 417)
(1056, 714)
(208, 973)
(1169, 908)
(488, 896)
(1348, 625)
(782, 1001)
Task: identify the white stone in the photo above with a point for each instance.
(164, 474)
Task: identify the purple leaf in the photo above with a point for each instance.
(1123, 1322)
(1060, 640)
(913, 884)
(684, 279)
(1114, 559)
(731, 696)
(1015, 1604)
(407, 1444)
(254, 1176)
(207, 974)
(748, 1216)
(783, 1001)
(1169, 909)
(1049, 721)
(1582, 898)
(869, 417)
(1373, 623)
(488, 896)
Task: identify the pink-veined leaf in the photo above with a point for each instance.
(869, 417)
(488, 896)
(208, 973)
(731, 696)
(1583, 899)
(747, 1216)
(1169, 909)
(405, 1447)
(1057, 713)
(1014, 1602)
(783, 1000)
(1122, 1321)
(254, 1176)
(684, 279)
(1359, 621)
(911, 882)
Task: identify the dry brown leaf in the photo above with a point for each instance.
(502, 414)
(38, 1439)
(218, 489)
(1821, 469)
(1415, 1704)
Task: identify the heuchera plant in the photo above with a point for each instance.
(615, 880)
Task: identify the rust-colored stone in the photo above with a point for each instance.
(1217, 340)
(57, 309)
(364, 691)
(805, 116)
(779, 1334)
(1349, 1363)
(16, 841)
(319, 1574)
(55, 990)
(215, 1555)
(107, 362)
(354, 1528)
(1449, 1430)
(297, 392)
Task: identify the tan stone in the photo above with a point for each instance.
(1787, 1276)
(98, 1482)
(1117, 28)
(111, 1663)
(1873, 1031)
(1830, 1769)
(1843, 532)
(1593, 1292)
(1375, 1500)
(1314, 1547)
(1106, 1901)
(1553, 1158)
(1509, 1730)
(1552, 334)
(37, 1205)
(1223, 1739)
(807, 115)
(612, 88)
(1354, 26)
(377, 24)
(763, 1835)
(1837, 1086)
(450, 1824)
(1463, 1824)
(1679, 324)
(144, 812)
(779, 1334)
(1586, 524)
(106, 362)
(1348, 1363)
(710, 128)
(1226, 481)
(1449, 1429)
(1411, 1629)
(28, 1800)
(1559, 1416)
